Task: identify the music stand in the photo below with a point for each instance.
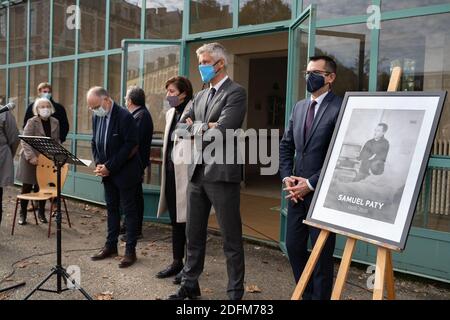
(60, 156)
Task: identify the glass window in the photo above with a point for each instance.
(38, 74)
(388, 5)
(161, 62)
(92, 33)
(210, 15)
(84, 151)
(17, 32)
(327, 9)
(3, 27)
(152, 174)
(164, 21)
(62, 83)
(2, 87)
(125, 21)
(90, 74)
(263, 11)
(420, 46)
(40, 29)
(114, 77)
(63, 32)
(17, 80)
(350, 47)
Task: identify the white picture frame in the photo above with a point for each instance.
(375, 166)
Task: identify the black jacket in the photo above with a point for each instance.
(145, 133)
(121, 159)
(60, 114)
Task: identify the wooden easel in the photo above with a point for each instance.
(384, 273)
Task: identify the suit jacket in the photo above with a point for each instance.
(26, 172)
(122, 156)
(309, 154)
(60, 114)
(228, 108)
(181, 171)
(144, 123)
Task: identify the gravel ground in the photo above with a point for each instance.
(29, 256)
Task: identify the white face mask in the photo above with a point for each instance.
(45, 113)
(100, 112)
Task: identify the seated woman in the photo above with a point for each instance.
(41, 125)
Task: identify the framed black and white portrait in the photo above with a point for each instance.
(376, 163)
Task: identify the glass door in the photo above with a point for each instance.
(149, 64)
(301, 47)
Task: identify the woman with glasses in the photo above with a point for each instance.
(42, 124)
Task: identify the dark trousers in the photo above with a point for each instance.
(27, 188)
(1, 204)
(140, 208)
(178, 229)
(321, 283)
(125, 198)
(225, 197)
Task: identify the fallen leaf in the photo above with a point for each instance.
(86, 216)
(107, 295)
(252, 289)
(4, 296)
(207, 290)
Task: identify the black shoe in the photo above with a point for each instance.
(178, 278)
(42, 218)
(123, 238)
(123, 229)
(170, 271)
(185, 293)
(23, 219)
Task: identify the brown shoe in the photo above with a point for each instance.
(104, 253)
(128, 260)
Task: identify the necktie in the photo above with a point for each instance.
(211, 94)
(101, 140)
(310, 118)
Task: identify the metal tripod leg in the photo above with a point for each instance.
(77, 286)
(41, 284)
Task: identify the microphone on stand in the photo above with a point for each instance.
(10, 106)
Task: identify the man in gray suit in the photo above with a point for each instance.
(219, 108)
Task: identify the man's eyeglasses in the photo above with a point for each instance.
(316, 72)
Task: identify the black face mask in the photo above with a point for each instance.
(314, 82)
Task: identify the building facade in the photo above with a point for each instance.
(75, 44)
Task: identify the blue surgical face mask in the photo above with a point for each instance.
(46, 95)
(100, 112)
(207, 72)
(314, 82)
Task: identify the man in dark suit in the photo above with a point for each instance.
(135, 103)
(307, 137)
(116, 156)
(45, 91)
(220, 107)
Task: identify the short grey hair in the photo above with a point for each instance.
(99, 92)
(42, 101)
(216, 50)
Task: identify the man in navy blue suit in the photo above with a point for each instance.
(306, 139)
(116, 155)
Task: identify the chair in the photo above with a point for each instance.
(46, 178)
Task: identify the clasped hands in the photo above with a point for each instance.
(211, 125)
(101, 171)
(297, 188)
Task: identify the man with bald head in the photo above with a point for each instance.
(115, 151)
